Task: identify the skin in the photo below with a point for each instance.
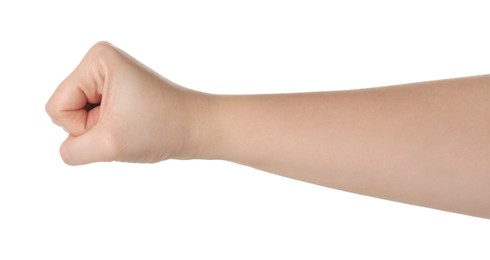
(426, 144)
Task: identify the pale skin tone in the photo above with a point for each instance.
(426, 143)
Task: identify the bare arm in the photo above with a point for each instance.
(426, 143)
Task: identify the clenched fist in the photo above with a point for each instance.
(116, 109)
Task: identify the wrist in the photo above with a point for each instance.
(203, 133)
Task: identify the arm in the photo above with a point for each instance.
(426, 143)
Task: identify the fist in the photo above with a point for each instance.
(116, 109)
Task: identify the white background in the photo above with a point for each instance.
(214, 209)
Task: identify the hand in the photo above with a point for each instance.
(115, 108)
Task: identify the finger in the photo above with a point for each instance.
(93, 146)
(67, 106)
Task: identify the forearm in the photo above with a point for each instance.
(426, 144)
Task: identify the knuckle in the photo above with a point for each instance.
(102, 57)
(102, 45)
(102, 50)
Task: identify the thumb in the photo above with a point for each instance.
(96, 145)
